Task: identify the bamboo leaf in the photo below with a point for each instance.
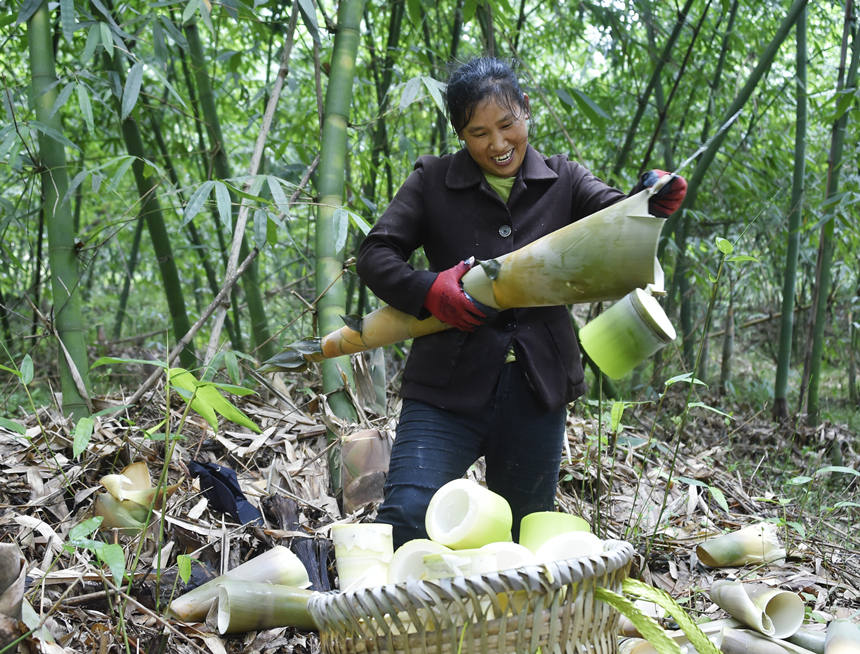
(190, 9)
(11, 425)
(121, 170)
(741, 257)
(435, 88)
(131, 92)
(82, 530)
(261, 228)
(197, 200)
(278, 195)
(183, 564)
(28, 8)
(844, 469)
(645, 625)
(340, 219)
(309, 18)
(104, 361)
(50, 132)
(699, 640)
(723, 245)
(615, 416)
(415, 12)
(469, 9)
(93, 40)
(114, 558)
(82, 435)
(359, 222)
(67, 19)
(702, 405)
(107, 38)
(231, 363)
(61, 99)
(685, 377)
(272, 224)
(85, 106)
(410, 92)
(26, 370)
(225, 204)
(719, 497)
(585, 104)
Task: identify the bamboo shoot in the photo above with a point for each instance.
(601, 257)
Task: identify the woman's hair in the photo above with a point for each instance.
(475, 81)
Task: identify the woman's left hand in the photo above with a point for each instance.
(668, 199)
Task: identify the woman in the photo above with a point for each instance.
(499, 383)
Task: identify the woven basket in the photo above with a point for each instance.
(549, 607)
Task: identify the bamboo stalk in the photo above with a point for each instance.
(275, 566)
(248, 606)
(601, 257)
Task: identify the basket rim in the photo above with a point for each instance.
(552, 575)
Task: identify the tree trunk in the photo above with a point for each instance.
(62, 254)
(330, 217)
(254, 298)
(783, 360)
(150, 210)
(827, 238)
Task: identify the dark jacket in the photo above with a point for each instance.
(447, 207)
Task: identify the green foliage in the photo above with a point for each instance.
(583, 97)
(111, 555)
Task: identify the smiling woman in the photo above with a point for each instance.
(497, 386)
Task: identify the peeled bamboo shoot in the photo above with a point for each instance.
(601, 257)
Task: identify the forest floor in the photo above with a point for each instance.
(724, 474)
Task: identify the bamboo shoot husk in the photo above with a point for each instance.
(746, 641)
(276, 566)
(251, 605)
(809, 639)
(770, 611)
(756, 543)
(843, 637)
(601, 257)
(13, 576)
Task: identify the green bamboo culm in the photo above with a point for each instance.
(62, 255)
(150, 211)
(695, 181)
(783, 361)
(827, 243)
(218, 147)
(330, 186)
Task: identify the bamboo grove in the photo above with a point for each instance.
(154, 153)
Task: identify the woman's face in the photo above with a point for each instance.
(496, 137)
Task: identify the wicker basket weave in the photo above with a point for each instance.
(549, 607)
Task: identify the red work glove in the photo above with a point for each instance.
(449, 303)
(666, 201)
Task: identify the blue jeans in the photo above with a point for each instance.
(520, 440)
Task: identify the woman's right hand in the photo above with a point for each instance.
(447, 300)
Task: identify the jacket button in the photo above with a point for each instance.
(505, 231)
